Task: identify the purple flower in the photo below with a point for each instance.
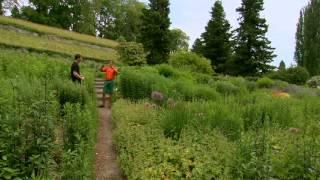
(157, 96)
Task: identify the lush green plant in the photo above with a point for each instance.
(190, 61)
(226, 88)
(265, 82)
(314, 82)
(166, 70)
(31, 126)
(297, 75)
(294, 75)
(132, 53)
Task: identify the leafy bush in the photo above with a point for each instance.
(297, 75)
(166, 70)
(205, 93)
(265, 82)
(69, 92)
(190, 61)
(280, 84)
(202, 78)
(294, 75)
(227, 88)
(184, 90)
(131, 53)
(314, 82)
(251, 85)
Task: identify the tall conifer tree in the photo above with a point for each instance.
(155, 33)
(216, 39)
(253, 53)
(299, 52)
(311, 38)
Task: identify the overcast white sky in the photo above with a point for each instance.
(282, 16)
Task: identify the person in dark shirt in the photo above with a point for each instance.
(75, 69)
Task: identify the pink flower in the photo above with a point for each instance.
(157, 96)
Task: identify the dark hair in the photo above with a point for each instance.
(77, 56)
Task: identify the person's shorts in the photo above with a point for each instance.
(108, 87)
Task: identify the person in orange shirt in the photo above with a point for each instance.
(110, 74)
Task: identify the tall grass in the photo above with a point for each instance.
(21, 40)
(42, 29)
(44, 133)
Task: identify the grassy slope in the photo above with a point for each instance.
(55, 40)
(56, 31)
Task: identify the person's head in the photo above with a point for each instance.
(110, 63)
(78, 58)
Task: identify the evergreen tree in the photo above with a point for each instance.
(252, 52)
(216, 39)
(197, 46)
(311, 41)
(282, 66)
(299, 52)
(15, 12)
(1, 8)
(155, 33)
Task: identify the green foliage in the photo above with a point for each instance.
(155, 33)
(299, 51)
(166, 70)
(227, 88)
(119, 19)
(131, 53)
(282, 66)
(314, 82)
(253, 53)
(216, 44)
(265, 82)
(69, 92)
(178, 40)
(76, 15)
(190, 61)
(297, 75)
(35, 136)
(256, 136)
(308, 39)
(65, 34)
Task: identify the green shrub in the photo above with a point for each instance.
(184, 90)
(175, 120)
(202, 78)
(265, 82)
(251, 85)
(314, 82)
(166, 70)
(205, 93)
(135, 86)
(227, 88)
(294, 75)
(190, 61)
(132, 53)
(281, 84)
(297, 75)
(69, 92)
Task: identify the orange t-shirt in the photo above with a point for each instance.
(111, 73)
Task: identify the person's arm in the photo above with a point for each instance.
(102, 68)
(77, 75)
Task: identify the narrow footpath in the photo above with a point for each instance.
(106, 165)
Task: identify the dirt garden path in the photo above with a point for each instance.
(106, 166)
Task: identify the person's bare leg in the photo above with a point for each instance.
(103, 100)
(110, 100)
